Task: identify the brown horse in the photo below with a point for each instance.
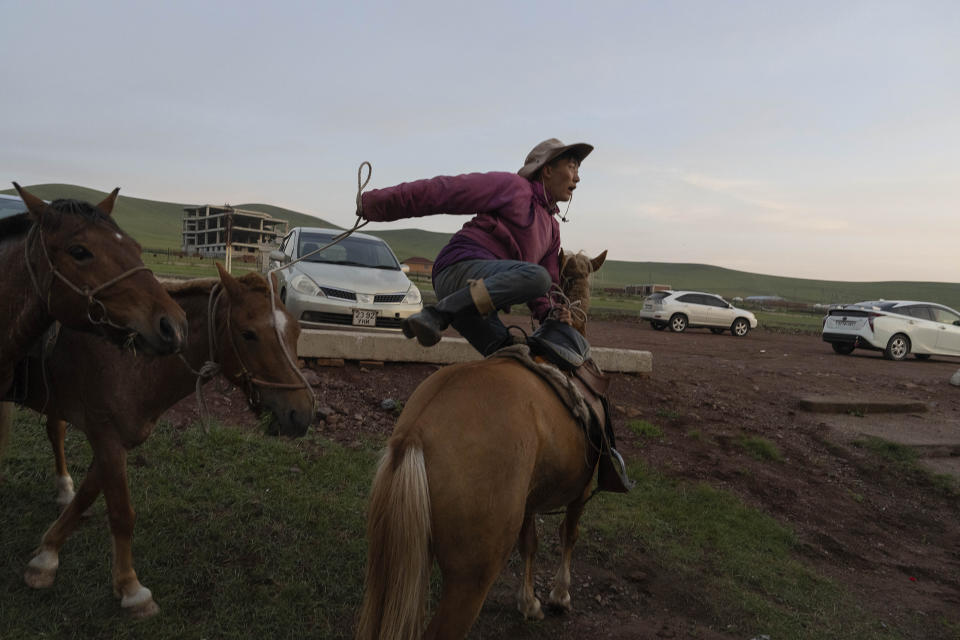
(101, 390)
(479, 449)
(69, 261)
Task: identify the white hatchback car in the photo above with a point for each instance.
(357, 282)
(896, 327)
(681, 309)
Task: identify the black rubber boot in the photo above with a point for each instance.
(427, 325)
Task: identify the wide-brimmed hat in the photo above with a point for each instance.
(549, 150)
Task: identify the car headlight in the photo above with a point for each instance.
(303, 284)
(413, 295)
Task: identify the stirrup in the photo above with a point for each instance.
(612, 473)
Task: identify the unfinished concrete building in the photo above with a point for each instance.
(207, 229)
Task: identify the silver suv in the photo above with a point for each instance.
(681, 309)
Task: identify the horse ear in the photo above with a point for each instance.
(107, 205)
(563, 260)
(34, 204)
(597, 262)
(231, 284)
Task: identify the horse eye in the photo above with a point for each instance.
(248, 335)
(79, 252)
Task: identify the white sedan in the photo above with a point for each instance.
(895, 327)
(681, 309)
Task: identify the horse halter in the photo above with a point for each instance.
(96, 311)
(245, 379)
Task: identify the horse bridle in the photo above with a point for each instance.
(99, 317)
(244, 378)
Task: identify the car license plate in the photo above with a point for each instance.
(846, 323)
(364, 318)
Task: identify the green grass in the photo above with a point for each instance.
(191, 266)
(243, 536)
(908, 459)
(759, 448)
(788, 322)
(645, 429)
(238, 536)
(158, 224)
(724, 558)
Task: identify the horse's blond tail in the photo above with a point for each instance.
(6, 422)
(398, 547)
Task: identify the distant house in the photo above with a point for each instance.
(207, 229)
(419, 266)
(645, 289)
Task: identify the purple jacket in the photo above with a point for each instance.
(511, 221)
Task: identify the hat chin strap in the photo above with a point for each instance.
(563, 216)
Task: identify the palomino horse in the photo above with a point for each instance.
(479, 449)
(101, 390)
(69, 261)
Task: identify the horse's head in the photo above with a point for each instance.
(257, 339)
(575, 270)
(89, 273)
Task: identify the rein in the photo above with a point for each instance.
(98, 317)
(245, 379)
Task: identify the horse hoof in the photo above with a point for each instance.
(140, 604)
(560, 603)
(41, 570)
(144, 611)
(531, 611)
(38, 578)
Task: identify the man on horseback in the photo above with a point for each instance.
(507, 254)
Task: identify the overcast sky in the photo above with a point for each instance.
(807, 139)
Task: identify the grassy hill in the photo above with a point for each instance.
(730, 283)
(157, 225)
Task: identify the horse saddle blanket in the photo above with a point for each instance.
(583, 391)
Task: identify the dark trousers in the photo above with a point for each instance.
(509, 282)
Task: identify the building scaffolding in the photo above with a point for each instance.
(208, 230)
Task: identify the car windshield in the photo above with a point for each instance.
(658, 296)
(354, 251)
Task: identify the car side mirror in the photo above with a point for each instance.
(279, 256)
(405, 268)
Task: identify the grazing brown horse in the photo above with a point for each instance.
(479, 449)
(69, 261)
(116, 398)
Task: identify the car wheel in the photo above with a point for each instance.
(716, 331)
(898, 347)
(922, 356)
(843, 348)
(740, 327)
(659, 326)
(678, 322)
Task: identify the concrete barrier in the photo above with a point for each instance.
(393, 347)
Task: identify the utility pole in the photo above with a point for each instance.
(229, 258)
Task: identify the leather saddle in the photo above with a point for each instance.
(566, 349)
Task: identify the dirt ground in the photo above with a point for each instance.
(896, 546)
